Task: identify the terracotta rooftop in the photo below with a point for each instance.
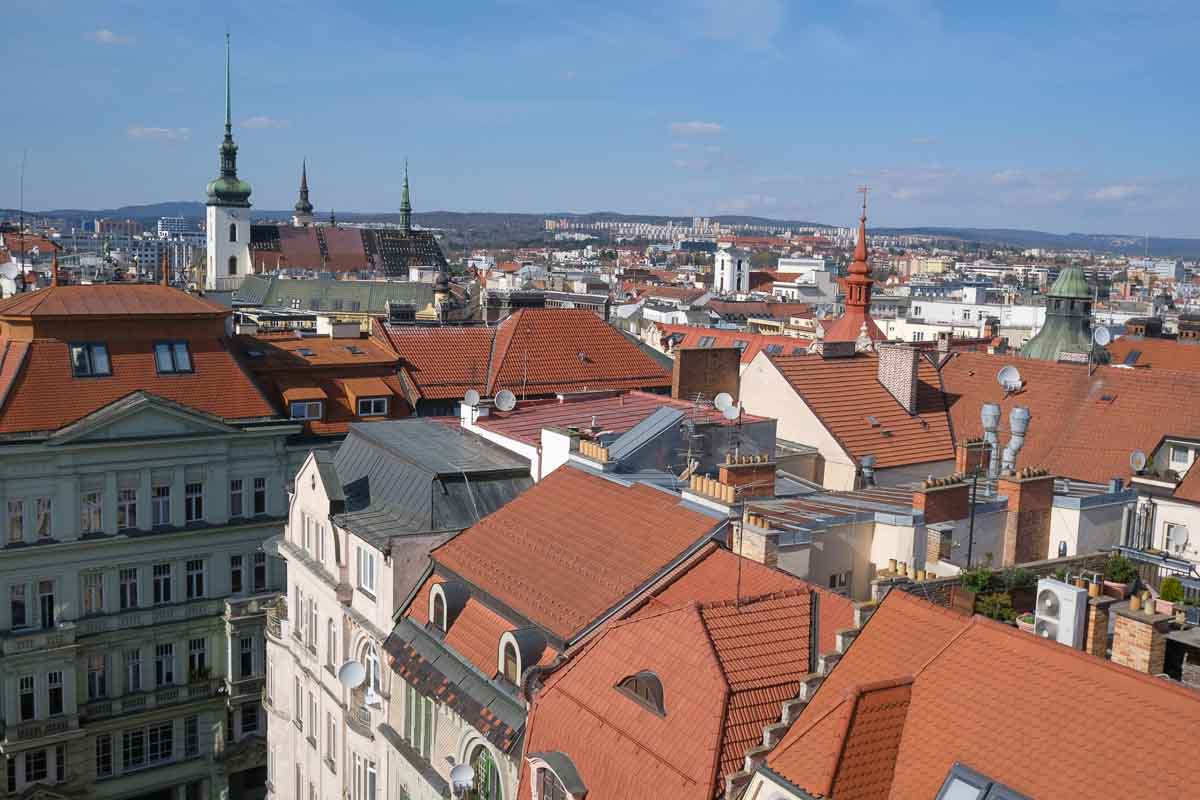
(292, 351)
(1082, 427)
(617, 412)
(572, 547)
(760, 308)
(890, 721)
(109, 300)
(1154, 353)
(682, 294)
(751, 343)
(865, 419)
(1188, 488)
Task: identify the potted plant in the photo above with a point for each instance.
(1120, 576)
(1025, 622)
(1170, 593)
(1021, 586)
(973, 582)
(997, 606)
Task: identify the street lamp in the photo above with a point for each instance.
(462, 779)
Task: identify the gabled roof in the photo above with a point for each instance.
(574, 546)
(751, 344)
(1189, 488)
(109, 300)
(864, 735)
(845, 394)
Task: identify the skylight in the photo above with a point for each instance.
(305, 351)
(964, 783)
(1132, 357)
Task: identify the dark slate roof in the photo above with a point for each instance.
(436, 671)
(411, 476)
(252, 292)
(399, 250)
(329, 294)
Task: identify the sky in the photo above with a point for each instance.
(1059, 115)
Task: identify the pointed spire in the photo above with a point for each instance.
(303, 207)
(860, 265)
(228, 105)
(405, 204)
(304, 175)
(227, 189)
(54, 270)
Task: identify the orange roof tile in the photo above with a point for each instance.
(109, 300)
(1189, 488)
(750, 343)
(290, 351)
(1153, 353)
(844, 392)
(573, 546)
(294, 393)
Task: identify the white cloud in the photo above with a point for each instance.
(695, 128)
(106, 36)
(162, 134)
(264, 122)
(1115, 192)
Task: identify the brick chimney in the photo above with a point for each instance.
(898, 372)
(750, 476)
(1030, 494)
(1098, 614)
(705, 371)
(754, 539)
(943, 499)
(1140, 637)
(971, 455)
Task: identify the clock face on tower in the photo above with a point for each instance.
(233, 215)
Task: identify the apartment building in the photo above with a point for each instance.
(142, 472)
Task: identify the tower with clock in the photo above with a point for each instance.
(228, 215)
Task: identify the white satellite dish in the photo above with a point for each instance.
(506, 400)
(471, 398)
(1137, 460)
(1009, 378)
(731, 413)
(1101, 336)
(352, 674)
(723, 401)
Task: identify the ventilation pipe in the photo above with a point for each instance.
(1018, 423)
(990, 416)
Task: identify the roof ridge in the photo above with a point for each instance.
(738, 602)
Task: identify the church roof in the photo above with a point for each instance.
(1071, 282)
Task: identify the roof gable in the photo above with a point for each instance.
(140, 415)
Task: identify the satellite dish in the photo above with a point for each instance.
(506, 400)
(731, 413)
(1137, 460)
(352, 674)
(1101, 336)
(471, 398)
(1009, 378)
(723, 401)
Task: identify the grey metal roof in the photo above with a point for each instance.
(663, 418)
(331, 295)
(329, 476)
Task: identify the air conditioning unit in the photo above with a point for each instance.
(1061, 612)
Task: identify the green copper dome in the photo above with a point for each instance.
(1067, 334)
(1071, 282)
(228, 189)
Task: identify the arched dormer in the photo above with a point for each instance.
(646, 689)
(518, 651)
(553, 776)
(446, 601)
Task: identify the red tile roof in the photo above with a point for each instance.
(1154, 353)
(970, 679)
(773, 309)
(534, 352)
(1189, 488)
(681, 294)
(617, 413)
(844, 392)
(1081, 427)
(109, 300)
(570, 548)
(752, 343)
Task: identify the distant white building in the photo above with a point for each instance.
(171, 226)
(732, 271)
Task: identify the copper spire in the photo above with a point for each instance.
(860, 265)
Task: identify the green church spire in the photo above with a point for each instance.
(405, 204)
(227, 190)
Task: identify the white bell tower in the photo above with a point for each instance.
(228, 217)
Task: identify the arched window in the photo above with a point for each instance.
(374, 679)
(512, 663)
(549, 787)
(487, 776)
(439, 611)
(233, 265)
(233, 231)
(645, 688)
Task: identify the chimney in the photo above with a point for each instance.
(1140, 637)
(166, 269)
(1099, 611)
(705, 371)
(943, 499)
(943, 342)
(750, 476)
(754, 539)
(898, 372)
(971, 455)
(1030, 494)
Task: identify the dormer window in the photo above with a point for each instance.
(89, 360)
(172, 357)
(308, 410)
(373, 407)
(511, 667)
(645, 688)
(438, 617)
(549, 786)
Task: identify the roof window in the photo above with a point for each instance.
(645, 688)
(305, 351)
(964, 783)
(740, 344)
(774, 349)
(90, 360)
(706, 341)
(172, 357)
(354, 349)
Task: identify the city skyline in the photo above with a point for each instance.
(957, 118)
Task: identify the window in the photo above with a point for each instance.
(549, 786)
(60, 762)
(195, 578)
(133, 670)
(54, 693)
(44, 518)
(364, 778)
(160, 506)
(232, 235)
(128, 587)
(235, 574)
(373, 407)
(161, 742)
(193, 501)
(310, 625)
(260, 572)
(197, 659)
(89, 360)
(11, 762)
(310, 409)
(28, 706)
(260, 496)
(774, 349)
(133, 749)
(330, 740)
(298, 707)
(93, 593)
(246, 647)
(487, 776)
(1175, 538)
(1179, 456)
(164, 664)
(233, 265)
(306, 533)
(46, 603)
(127, 509)
(331, 644)
(236, 506)
(706, 341)
(35, 766)
(249, 718)
(16, 521)
(90, 505)
(418, 721)
(645, 688)
(964, 783)
(840, 582)
(321, 543)
(511, 667)
(741, 344)
(16, 604)
(172, 357)
(191, 736)
(374, 681)
(97, 677)
(104, 756)
(366, 571)
(439, 611)
(312, 719)
(162, 583)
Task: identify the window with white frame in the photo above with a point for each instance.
(90, 360)
(306, 532)
(35, 766)
(236, 498)
(1180, 457)
(365, 778)
(97, 677)
(260, 496)
(127, 587)
(104, 755)
(249, 718)
(172, 357)
(374, 676)
(418, 721)
(60, 763)
(162, 583)
(1175, 538)
(197, 659)
(18, 609)
(54, 692)
(312, 719)
(310, 624)
(164, 664)
(191, 736)
(93, 593)
(366, 570)
(330, 740)
(260, 572)
(321, 543)
(331, 644)
(133, 670)
(16, 521)
(46, 608)
(45, 518)
(373, 407)
(298, 707)
(127, 509)
(307, 409)
(235, 574)
(840, 582)
(246, 657)
(160, 505)
(91, 516)
(27, 699)
(193, 501)
(195, 578)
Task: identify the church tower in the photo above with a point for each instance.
(405, 205)
(302, 213)
(228, 218)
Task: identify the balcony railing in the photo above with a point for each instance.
(245, 687)
(144, 617)
(158, 698)
(29, 641)
(229, 283)
(277, 614)
(36, 729)
(255, 606)
(358, 717)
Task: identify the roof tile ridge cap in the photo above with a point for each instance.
(737, 602)
(650, 595)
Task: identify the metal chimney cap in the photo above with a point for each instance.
(990, 416)
(1018, 420)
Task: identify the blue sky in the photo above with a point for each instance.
(1063, 116)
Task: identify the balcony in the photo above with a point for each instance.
(358, 718)
(37, 729)
(239, 608)
(145, 617)
(245, 687)
(29, 641)
(161, 697)
(276, 616)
